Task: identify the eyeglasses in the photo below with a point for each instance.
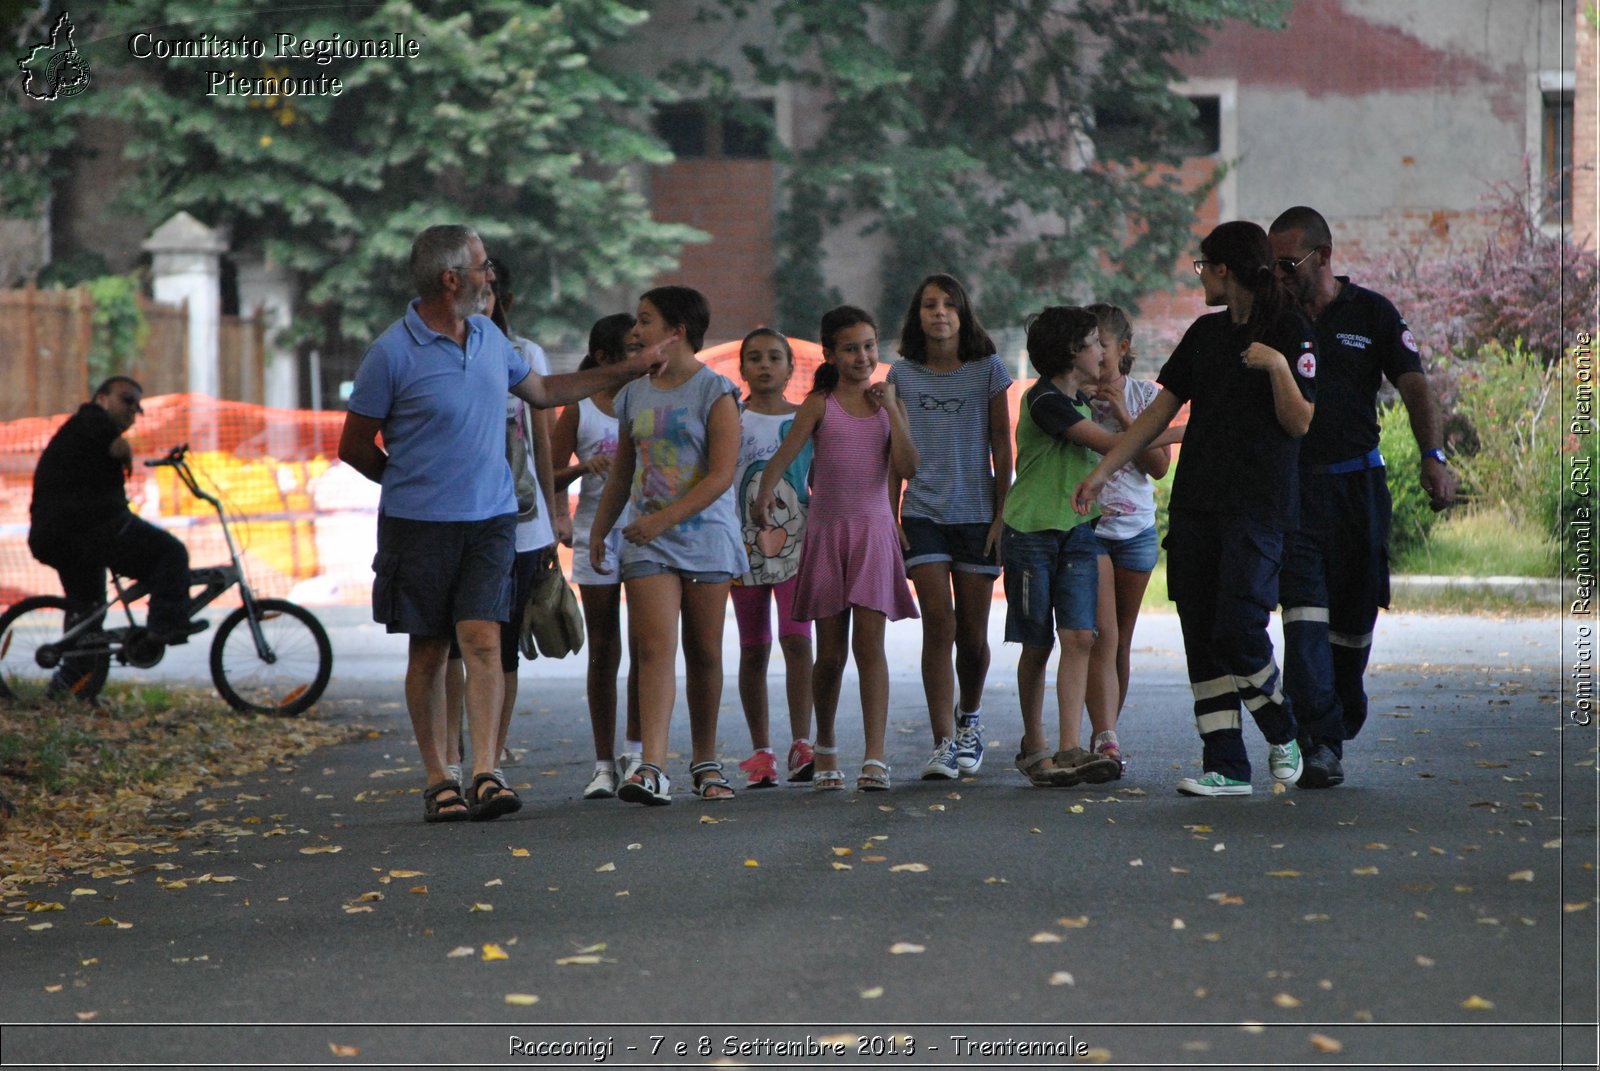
(1287, 265)
(1200, 266)
(487, 267)
(944, 405)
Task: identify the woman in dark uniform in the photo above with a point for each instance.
(1248, 372)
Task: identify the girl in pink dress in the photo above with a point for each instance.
(851, 569)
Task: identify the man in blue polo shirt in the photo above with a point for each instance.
(1336, 563)
(434, 385)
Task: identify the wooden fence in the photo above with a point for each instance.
(46, 335)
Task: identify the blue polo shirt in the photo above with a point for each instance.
(443, 413)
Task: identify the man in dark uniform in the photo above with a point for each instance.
(81, 521)
(1336, 563)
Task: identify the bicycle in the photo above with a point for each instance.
(269, 656)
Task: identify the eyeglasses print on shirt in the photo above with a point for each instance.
(946, 405)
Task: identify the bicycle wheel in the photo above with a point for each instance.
(24, 629)
(292, 675)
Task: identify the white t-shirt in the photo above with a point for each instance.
(1128, 502)
(535, 533)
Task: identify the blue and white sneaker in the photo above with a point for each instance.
(969, 742)
(943, 763)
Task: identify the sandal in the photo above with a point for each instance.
(873, 782)
(826, 780)
(647, 785)
(709, 784)
(447, 810)
(496, 801)
(1039, 775)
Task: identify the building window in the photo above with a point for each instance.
(700, 130)
(1555, 131)
(1117, 130)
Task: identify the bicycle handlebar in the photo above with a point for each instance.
(174, 457)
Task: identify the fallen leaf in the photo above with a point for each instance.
(493, 952)
(459, 951)
(1095, 1055)
(1045, 938)
(54, 988)
(343, 1050)
(85, 892)
(581, 960)
(905, 948)
(872, 994)
(1477, 1003)
(1177, 924)
(85, 1016)
(1323, 1043)
(1424, 961)
(321, 849)
(520, 853)
(1521, 875)
(482, 907)
(37, 926)
(1062, 978)
(996, 881)
(522, 999)
(841, 866)
(605, 868)
(707, 820)
(843, 851)
(420, 890)
(751, 863)
(1077, 923)
(1284, 1000)
(1365, 871)
(906, 868)
(1283, 873)
(407, 873)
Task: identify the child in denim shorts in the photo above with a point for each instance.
(1057, 575)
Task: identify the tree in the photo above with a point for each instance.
(1025, 145)
(501, 119)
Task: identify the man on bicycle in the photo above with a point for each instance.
(82, 524)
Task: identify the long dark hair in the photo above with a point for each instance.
(609, 336)
(1244, 248)
(504, 297)
(833, 321)
(972, 341)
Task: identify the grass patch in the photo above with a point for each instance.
(1475, 544)
(1482, 543)
(90, 785)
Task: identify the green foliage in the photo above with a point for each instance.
(1514, 416)
(1413, 519)
(1481, 544)
(502, 121)
(119, 326)
(965, 133)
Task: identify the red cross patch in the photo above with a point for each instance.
(1307, 364)
(1408, 340)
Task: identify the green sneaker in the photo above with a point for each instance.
(1284, 762)
(1213, 784)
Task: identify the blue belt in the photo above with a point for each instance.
(1370, 460)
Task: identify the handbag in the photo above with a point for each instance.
(552, 624)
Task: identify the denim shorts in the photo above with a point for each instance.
(959, 544)
(638, 570)
(428, 575)
(1052, 582)
(1137, 553)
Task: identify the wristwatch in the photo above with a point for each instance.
(1437, 455)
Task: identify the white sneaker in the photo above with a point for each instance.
(943, 762)
(603, 785)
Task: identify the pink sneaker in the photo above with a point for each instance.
(762, 768)
(802, 761)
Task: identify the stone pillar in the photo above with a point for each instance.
(187, 270)
(1585, 118)
(266, 291)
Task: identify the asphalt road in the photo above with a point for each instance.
(1438, 910)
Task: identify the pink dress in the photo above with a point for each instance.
(851, 552)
